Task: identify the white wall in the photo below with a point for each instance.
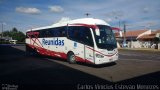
(134, 44)
(158, 45)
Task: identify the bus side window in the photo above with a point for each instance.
(63, 31)
(80, 34)
(45, 33)
(48, 33)
(71, 32)
(40, 34)
(86, 36)
(52, 32)
(56, 33)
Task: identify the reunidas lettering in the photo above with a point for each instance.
(53, 41)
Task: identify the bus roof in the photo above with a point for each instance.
(88, 21)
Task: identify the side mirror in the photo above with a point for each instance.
(97, 32)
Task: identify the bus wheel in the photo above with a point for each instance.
(35, 53)
(71, 58)
(28, 50)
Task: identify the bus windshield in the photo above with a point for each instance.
(106, 39)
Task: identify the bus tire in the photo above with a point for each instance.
(28, 50)
(35, 53)
(31, 52)
(71, 58)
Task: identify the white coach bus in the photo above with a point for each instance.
(86, 40)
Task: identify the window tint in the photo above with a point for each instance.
(41, 34)
(73, 33)
(47, 33)
(106, 39)
(88, 37)
(58, 32)
(51, 32)
(80, 34)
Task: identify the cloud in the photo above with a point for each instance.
(56, 9)
(28, 10)
(145, 9)
(108, 19)
(63, 19)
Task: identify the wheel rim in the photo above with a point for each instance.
(72, 58)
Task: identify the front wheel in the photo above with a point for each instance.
(71, 58)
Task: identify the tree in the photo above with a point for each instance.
(14, 30)
(7, 33)
(15, 34)
(20, 36)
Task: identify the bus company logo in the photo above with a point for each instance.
(53, 41)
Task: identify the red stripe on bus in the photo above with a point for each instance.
(79, 59)
(102, 53)
(47, 52)
(86, 25)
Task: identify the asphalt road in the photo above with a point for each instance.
(27, 72)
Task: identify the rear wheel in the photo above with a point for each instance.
(35, 52)
(30, 51)
(71, 58)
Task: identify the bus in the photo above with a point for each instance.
(85, 40)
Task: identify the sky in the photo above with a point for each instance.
(27, 14)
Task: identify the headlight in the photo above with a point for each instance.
(99, 56)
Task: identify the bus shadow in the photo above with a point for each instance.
(97, 66)
(81, 63)
(36, 73)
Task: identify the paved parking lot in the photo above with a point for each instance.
(28, 72)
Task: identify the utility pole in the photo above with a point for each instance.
(124, 37)
(119, 24)
(2, 31)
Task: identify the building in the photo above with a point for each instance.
(131, 38)
(139, 39)
(152, 39)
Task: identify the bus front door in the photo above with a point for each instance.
(89, 54)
